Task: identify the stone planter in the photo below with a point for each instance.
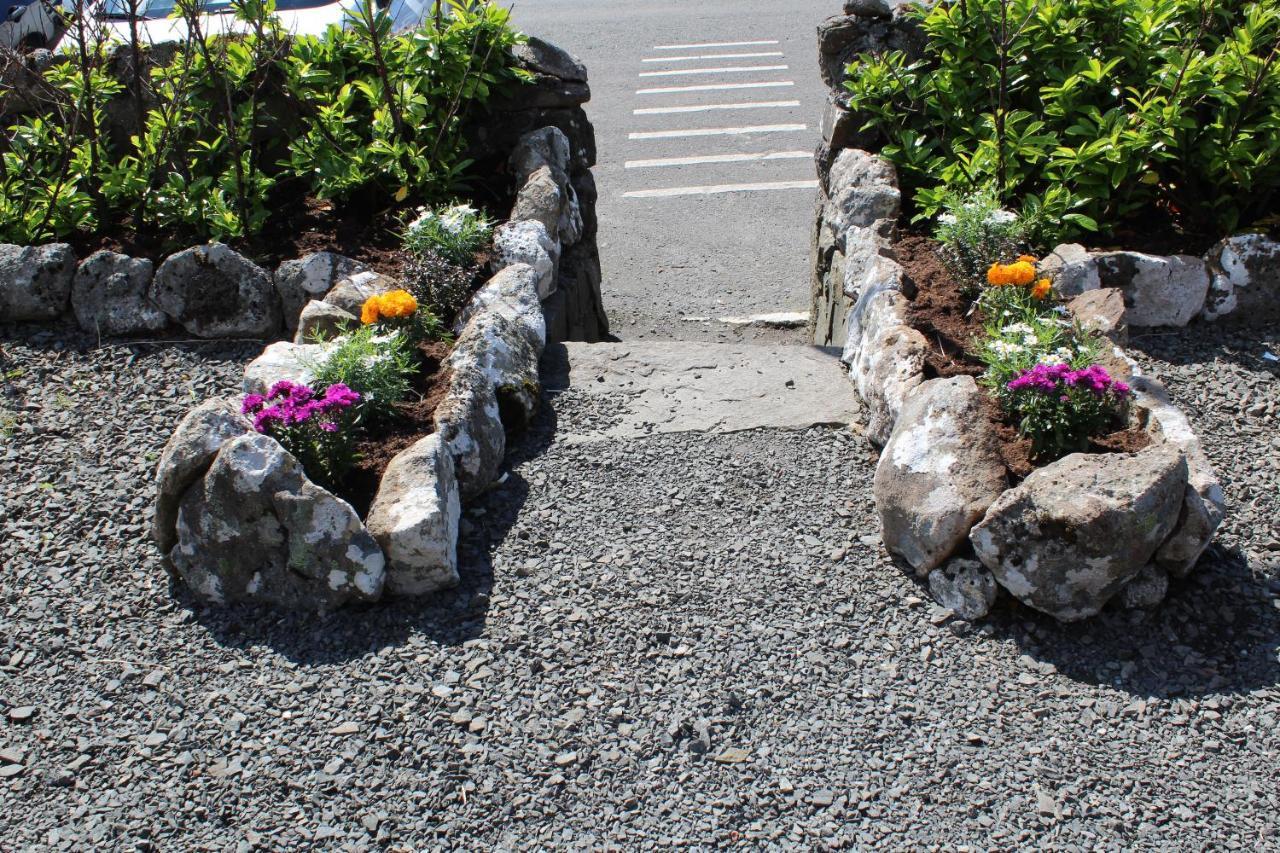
(236, 516)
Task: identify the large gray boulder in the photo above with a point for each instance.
(512, 292)
(938, 473)
(35, 281)
(469, 422)
(1072, 269)
(320, 321)
(1073, 533)
(414, 518)
(255, 529)
(528, 242)
(109, 295)
(1246, 278)
(309, 278)
(214, 292)
(352, 292)
(284, 360)
(187, 456)
(1158, 290)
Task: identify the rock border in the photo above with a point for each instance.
(237, 519)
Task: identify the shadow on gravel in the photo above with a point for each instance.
(1218, 632)
(448, 618)
(1239, 342)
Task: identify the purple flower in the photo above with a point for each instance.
(263, 420)
(329, 426)
(252, 402)
(340, 396)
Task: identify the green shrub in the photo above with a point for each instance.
(1095, 113)
(377, 366)
(455, 233)
(976, 232)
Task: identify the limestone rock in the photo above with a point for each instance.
(469, 424)
(214, 292)
(1073, 533)
(546, 146)
(414, 518)
(1246, 278)
(512, 292)
(496, 347)
(863, 191)
(528, 242)
(350, 293)
(35, 281)
(1101, 311)
(1147, 589)
(887, 366)
(1072, 269)
(965, 587)
(1204, 505)
(109, 295)
(309, 278)
(321, 321)
(542, 199)
(256, 529)
(544, 57)
(284, 360)
(938, 474)
(868, 8)
(187, 455)
(1158, 291)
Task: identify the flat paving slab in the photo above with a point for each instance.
(659, 387)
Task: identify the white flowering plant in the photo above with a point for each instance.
(975, 232)
(455, 233)
(1017, 338)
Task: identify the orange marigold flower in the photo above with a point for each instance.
(1041, 288)
(397, 303)
(369, 310)
(1029, 259)
(1019, 273)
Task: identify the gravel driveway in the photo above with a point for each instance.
(683, 639)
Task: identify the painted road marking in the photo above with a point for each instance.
(715, 87)
(702, 108)
(716, 189)
(727, 69)
(715, 56)
(713, 44)
(716, 158)
(718, 131)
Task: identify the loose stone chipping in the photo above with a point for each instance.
(1073, 533)
(109, 295)
(310, 278)
(254, 528)
(414, 518)
(938, 473)
(35, 281)
(214, 292)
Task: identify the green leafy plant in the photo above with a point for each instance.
(976, 231)
(1094, 113)
(1060, 407)
(455, 233)
(378, 366)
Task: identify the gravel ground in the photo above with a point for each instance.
(684, 639)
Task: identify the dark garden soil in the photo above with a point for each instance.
(943, 311)
(415, 421)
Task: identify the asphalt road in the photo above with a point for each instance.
(675, 264)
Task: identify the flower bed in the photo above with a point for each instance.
(346, 484)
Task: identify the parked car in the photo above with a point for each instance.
(27, 24)
(301, 17)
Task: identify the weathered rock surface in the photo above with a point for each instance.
(109, 295)
(497, 348)
(35, 281)
(1246, 278)
(1147, 589)
(414, 518)
(350, 293)
(965, 587)
(186, 457)
(546, 58)
(1204, 505)
(469, 424)
(321, 321)
(887, 365)
(938, 474)
(284, 360)
(666, 386)
(310, 278)
(544, 147)
(254, 528)
(1072, 269)
(1158, 291)
(541, 199)
(1102, 311)
(214, 292)
(1073, 533)
(863, 193)
(513, 292)
(528, 242)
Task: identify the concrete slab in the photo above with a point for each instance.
(665, 387)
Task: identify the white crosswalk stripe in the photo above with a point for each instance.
(717, 189)
(703, 159)
(703, 108)
(719, 131)
(760, 55)
(715, 87)
(727, 69)
(714, 44)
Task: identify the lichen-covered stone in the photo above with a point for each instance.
(214, 292)
(109, 295)
(938, 473)
(35, 281)
(1073, 533)
(496, 348)
(1158, 290)
(528, 242)
(284, 360)
(887, 367)
(1246, 278)
(414, 518)
(320, 321)
(1072, 270)
(310, 278)
(512, 292)
(965, 587)
(255, 529)
(350, 293)
(469, 422)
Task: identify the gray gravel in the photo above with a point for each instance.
(684, 639)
